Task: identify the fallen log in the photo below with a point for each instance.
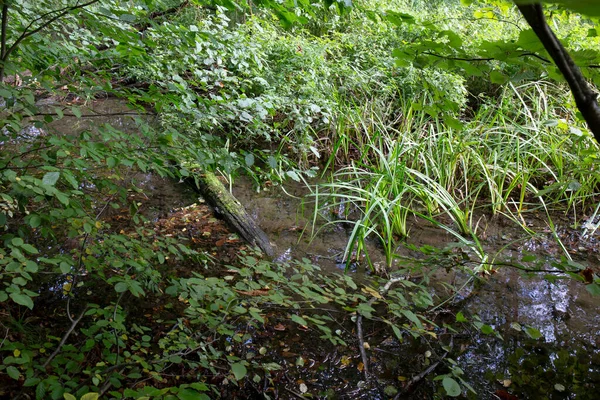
(232, 211)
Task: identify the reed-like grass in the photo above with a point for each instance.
(520, 153)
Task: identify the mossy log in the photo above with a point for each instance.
(232, 211)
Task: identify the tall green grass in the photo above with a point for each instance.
(522, 152)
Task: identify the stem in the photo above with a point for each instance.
(65, 337)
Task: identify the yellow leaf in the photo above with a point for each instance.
(90, 396)
(69, 396)
(98, 224)
(372, 292)
(17, 353)
(345, 361)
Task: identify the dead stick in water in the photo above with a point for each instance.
(359, 330)
(418, 378)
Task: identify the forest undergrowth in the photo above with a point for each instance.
(431, 111)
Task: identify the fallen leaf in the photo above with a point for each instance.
(279, 327)
(372, 292)
(303, 388)
(345, 360)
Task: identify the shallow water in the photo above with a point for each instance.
(563, 312)
(566, 315)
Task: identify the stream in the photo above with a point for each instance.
(503, 364)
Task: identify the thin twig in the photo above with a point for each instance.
(359, 330)
(418, 378)
(65, 337)
(361, 346)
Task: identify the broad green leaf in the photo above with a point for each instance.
(593, 289)
(69, 396)
(486, 329)
(239, 370)
(90, 396)
(412, 317)
(22, 299)
(121, 287)
(451, 387)
(399, 18)
(13, 372)
(40, 391)
(249, 159)
(50, 178)
(29, 248)
(62, 198)
(533, 333)
(293, 175)
(34, 220)
(460, 317)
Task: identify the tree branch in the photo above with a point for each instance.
(3, 38)
(585, 98)
(27, 33)
(65, 337)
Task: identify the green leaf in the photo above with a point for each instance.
(299, 320)
(451, 387)
(35, 220)
(13, 372)
(239, 370)
(121, 287)
(293, 175)
(65, 268)
(486, 329)
(413, 317)
(50, 178)
(40, 391)
(593, 289)
(17, 241)
(90, 396)
(76, 112)
(111, 162)
(460, 317)
(62, 198)
(69, 396)
(249, 159)
(22, 299)
(29, 248)
(189, 394)
(533, 333)
(498, 77)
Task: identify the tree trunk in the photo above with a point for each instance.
(232, 211)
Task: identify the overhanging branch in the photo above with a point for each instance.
(585, 98)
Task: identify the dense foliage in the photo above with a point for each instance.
(408, 113)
